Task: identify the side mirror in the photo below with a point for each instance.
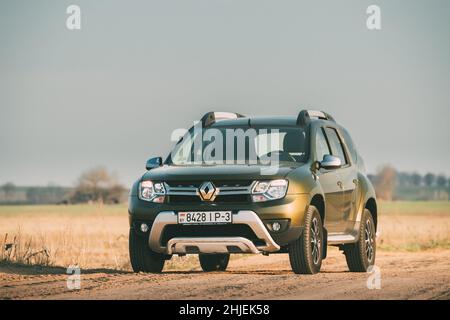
(153, 163)
(330, 162)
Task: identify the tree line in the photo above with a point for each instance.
(95, 185)
(101, 186)
(391, 184)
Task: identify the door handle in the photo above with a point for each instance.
(355, 181)
(339, 183)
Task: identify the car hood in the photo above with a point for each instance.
(216, 172)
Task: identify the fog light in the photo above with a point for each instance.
(144, 227)
(276, 226)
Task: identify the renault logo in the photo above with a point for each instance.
(207, 191)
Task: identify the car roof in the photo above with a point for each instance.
(283, 121)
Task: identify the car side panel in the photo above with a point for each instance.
(348, 176)
(333, 198)
(365, 191)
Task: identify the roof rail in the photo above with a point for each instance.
(305, 115)
(214, 116)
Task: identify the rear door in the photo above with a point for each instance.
(353, 155)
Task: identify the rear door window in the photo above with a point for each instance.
(350, 145)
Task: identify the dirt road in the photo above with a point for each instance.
(422, 275)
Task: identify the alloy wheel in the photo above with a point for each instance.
(315, 240)
(369, 240)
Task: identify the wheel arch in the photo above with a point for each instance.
(371, 205)
(319, 202)
(367, 198)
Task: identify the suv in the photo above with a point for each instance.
(314, 194)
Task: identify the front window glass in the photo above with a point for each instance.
(241, 146)
(321, 145)
(335, 144)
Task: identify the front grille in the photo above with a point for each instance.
(229, 191)
(207, 231)
(179, 184)
(183, 199)
(236, 198)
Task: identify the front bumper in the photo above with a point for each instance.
(236, 244)
(291, 208)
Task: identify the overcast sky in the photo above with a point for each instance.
(111, 93)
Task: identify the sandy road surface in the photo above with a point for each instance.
(421, 275)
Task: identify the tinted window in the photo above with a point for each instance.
(335, 144)
(241, 146)
(321, 145)
(350, 145)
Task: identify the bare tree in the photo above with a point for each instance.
(97, 185)
(385, 182)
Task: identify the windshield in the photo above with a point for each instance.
(240, 146)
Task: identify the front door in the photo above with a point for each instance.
(346, 177)
(330, 182)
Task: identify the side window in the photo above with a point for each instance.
(321, 145)
(335, 145)
(350, 145)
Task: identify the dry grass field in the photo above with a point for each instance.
(38, 243)
(96, 236)
(90, 236)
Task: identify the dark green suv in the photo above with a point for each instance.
(236, 184)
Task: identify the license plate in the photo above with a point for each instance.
(205, 217)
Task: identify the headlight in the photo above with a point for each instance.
(269, 190)
(152, 192)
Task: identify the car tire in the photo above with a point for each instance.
(214, 262)
(361, 255)
(305, 253)
(142, 258)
